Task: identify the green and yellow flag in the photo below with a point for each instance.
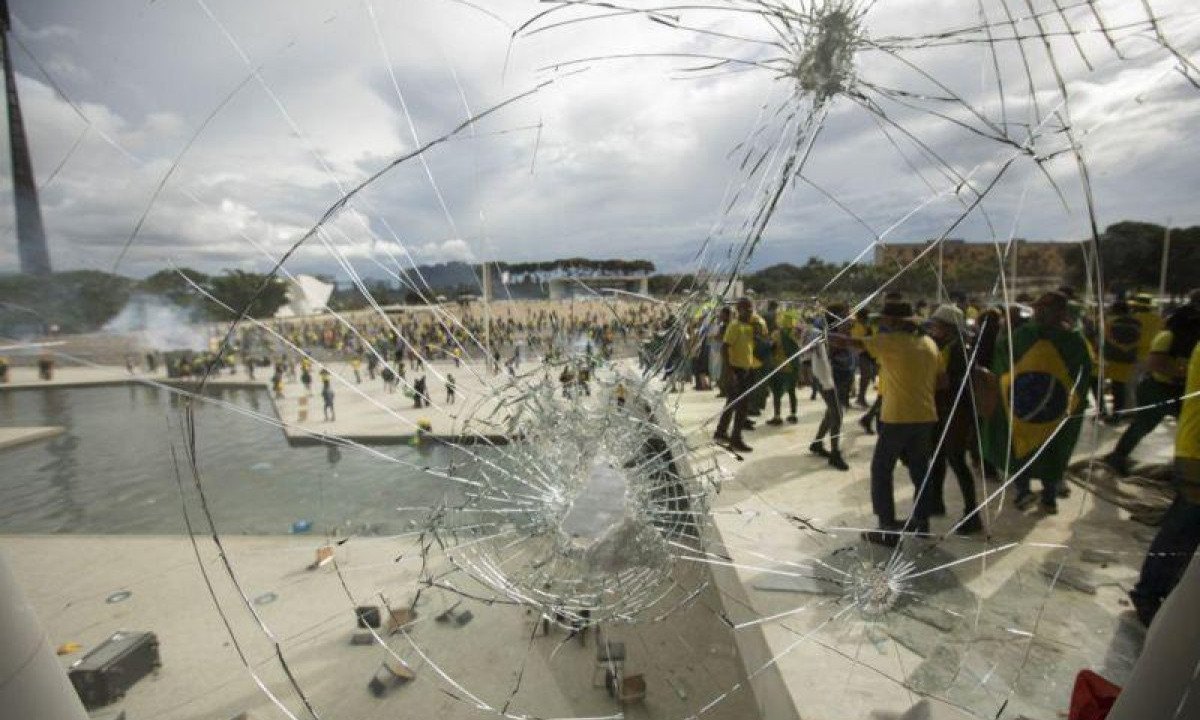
(1042, 397)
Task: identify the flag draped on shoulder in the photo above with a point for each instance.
(1043, 392)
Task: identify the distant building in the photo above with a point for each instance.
(1029, 265)
(561, 288)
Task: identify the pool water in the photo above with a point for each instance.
(112, 470)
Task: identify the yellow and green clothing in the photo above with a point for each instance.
(1121, 340)
(1151, 323)
(739, 336)
(1187, 437)
(908, 368)
(1042, 395)
(1162, 345)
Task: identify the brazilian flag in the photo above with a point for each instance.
(1044, 387)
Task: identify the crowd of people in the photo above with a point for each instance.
(997, 392)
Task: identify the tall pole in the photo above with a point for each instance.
(1166, 254)
(31, 235)
(487, 312)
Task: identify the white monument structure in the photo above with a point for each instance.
(306, 295)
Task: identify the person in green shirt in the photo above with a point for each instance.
(784, 365)
(1043, 382)
(738, 365)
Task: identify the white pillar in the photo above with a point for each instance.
(1166, 679)
(32, 683)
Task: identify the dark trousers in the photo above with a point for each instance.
(953, 454)
(1157, 401)
(736, 403)
(831, 422)
(783, 384)
(900, 441)
(866, 375)
(1172, 549)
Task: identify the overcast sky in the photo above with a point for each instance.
(269, 110)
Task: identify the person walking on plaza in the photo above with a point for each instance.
(327, 401)
(737, 375)
(450, 388)
(716, 340)
(1178, 535)
(1158, 394)
(1043, 381)
(419, 387)
(908, 370)
(955, 430)
(784, 364)
(818, 340)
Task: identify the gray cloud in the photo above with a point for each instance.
(634, 157)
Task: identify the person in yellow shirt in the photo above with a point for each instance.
(1121, 339)
(1150, 323)
(1178, 535)
(738, 368)
(1158, 393)
(908, 368)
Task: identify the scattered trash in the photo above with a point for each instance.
(68, 648)
(301, 526)
(266, 598)
(260, 467)
(400, 618)
(367, 615)
(118, 596)
(324, 556)
(103, 675)
(389, 675)
(458, 618)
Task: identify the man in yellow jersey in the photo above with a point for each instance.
(1159, 392)
(738, 371)
(1179, 534)
(908, 367)
(1121, 335)
(1150, 323)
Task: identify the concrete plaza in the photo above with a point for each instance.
(1003, 620)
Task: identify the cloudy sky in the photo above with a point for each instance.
(213, 133)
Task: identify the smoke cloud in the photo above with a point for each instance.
(158, 324)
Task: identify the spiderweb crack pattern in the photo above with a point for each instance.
(609, 510)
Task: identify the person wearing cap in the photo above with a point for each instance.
(1044, 369)
(908, 370)
(738, 365)
(784, 365)
(955, 429)
(1159, 393)
(1178, 535)
(1121, 333)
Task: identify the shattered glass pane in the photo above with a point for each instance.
(525, 500)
